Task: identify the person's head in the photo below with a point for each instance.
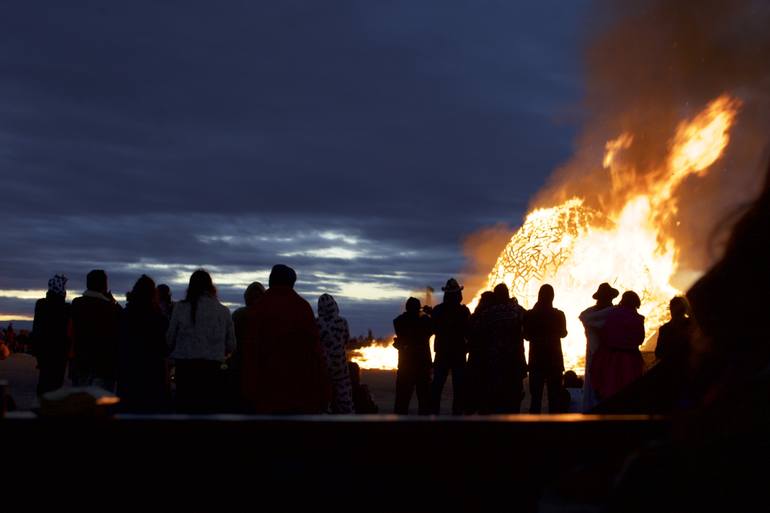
(253, 292)
(571, 380)
(502, 293)
(282, 276)
(413, 305)
(452, 291)
(164, 293)
(678, 307)
(327, 306)
(355, 373)
(545, 295)
(57, 287)
(96, 281)
(605, 294)
(630, 299)
(487, 299)
(144, 293)
(200, 285)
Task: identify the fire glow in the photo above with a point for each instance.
(575, 247)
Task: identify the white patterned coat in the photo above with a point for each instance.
(334, 335)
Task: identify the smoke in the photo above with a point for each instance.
(649, 65)
(481, 250)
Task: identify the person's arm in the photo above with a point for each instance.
(639, 332)
(173, 329)
(660, 347)
(562, 325)
(37, 329)
(230, 344)
(344, 390)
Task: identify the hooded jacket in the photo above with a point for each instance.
(334, 335)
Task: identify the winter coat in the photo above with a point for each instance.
(593, 319)
(142, 377)
(450, 322)
(413, 332)
(282, 366)
(210, 337)
(617, 361)
(334, 335)
(674, 338)
(50, 341)
(95, 321)
(544, 327)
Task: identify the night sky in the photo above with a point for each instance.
(358, 142)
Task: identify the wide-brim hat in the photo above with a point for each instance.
(452, 286)
(605, 291)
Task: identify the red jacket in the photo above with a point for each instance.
(617, 361)
(283, 370)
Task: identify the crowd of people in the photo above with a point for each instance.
(272, 356)
(484, 350)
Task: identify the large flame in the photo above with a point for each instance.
(574, 247)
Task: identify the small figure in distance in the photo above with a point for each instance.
(362, 397)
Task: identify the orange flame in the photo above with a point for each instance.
(574, 247)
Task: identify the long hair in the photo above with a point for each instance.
(144, 294)
(200, 285)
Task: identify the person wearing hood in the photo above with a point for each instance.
(50, 340)
(95, 322)
(450, 321)
(253, 292)
(593, 319)
(283, 369)
(544, 327)
(334, 334)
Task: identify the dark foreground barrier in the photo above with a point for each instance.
(377, 463)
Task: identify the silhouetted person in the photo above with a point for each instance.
(165, 302)
(544, 327)
(618, 361)
(450, 322)
(334, 334)
(253, 292)
(95, 321)
(675, 335)
(478, 355)
(283, 369)
(362, 397)
(142, 371)
(506, 366)
(413, 331)
(50, 340)
(200, 336)
(593, 319)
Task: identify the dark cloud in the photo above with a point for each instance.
(173, 133)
